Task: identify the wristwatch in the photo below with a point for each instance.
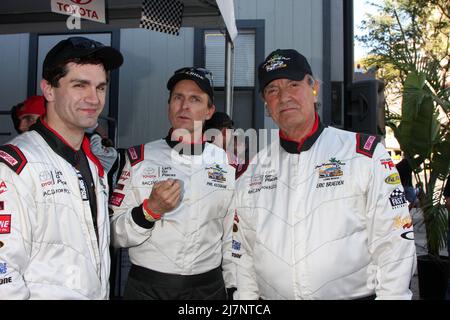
(149, 214)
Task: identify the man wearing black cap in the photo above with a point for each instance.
(321, 213)
(54, 222)
(179, 242)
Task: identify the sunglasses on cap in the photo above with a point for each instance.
(205, 73)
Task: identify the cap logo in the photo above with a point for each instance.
(276, 62)
(191, 73)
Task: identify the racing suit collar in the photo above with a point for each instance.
(306, 143)
(183, 147)
(62, 147)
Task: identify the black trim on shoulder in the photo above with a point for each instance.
(13, 157)
(366, 144)
(136, 154)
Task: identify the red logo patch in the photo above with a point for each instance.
(8, 158)
(5, 223)
(3, 187)
(133, 154)
(369, 143)
(116, 199)
(388, 164)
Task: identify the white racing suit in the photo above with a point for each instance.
(48, 245)
(195, 237)
(326, 219)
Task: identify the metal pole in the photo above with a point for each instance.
(228, 75)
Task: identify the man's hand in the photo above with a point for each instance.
(165, 196)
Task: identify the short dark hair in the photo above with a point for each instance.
(219, 120)
(60, 71)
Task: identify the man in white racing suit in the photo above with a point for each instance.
(173, 203)
(321, 213)
(54, 225)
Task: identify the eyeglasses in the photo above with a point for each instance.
(205, 73)
(84, 43)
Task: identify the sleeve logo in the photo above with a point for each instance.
(5, 223)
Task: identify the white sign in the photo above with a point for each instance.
(87, 9)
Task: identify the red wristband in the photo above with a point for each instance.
(155, 216)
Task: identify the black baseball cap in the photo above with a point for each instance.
(283, 63)
(219, 120)
(79, 47)
(201, 76)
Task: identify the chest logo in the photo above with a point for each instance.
(216, 176)
(330, 173)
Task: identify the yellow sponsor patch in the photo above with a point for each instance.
(393, 179)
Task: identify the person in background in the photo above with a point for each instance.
(54, 223)
(222, 122)
(321, 212)
(405, 173)
(26, 113)
(359, 69)
(173, 207)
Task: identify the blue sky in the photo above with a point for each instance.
(360, 8)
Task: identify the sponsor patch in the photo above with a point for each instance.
(12, 157)
(330, 173)
(136, 154)
(397, 199)
(266, 181)
(393, 179)
(387, 163)
(3, 187)
(366, 144)
(236, 245)
(116, 199)
(408, 235)
(83, 188)
(46, 178)
(3, 268)
(166, 172)
(5, 280)
(216, 176)
(236, 255)
(369, 143)
(5, 223)
(402, 222)
(8, 158)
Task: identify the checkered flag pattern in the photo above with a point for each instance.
(396, 193)
(162, 15)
